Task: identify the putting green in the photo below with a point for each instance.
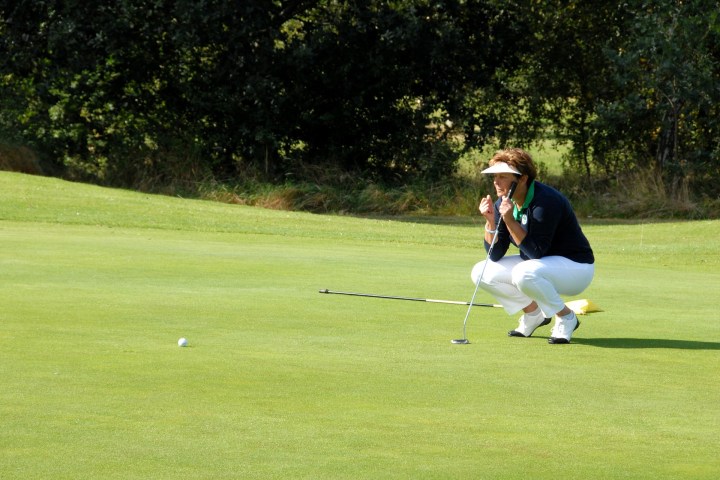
(279, 381)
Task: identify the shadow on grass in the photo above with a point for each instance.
(647, 343)
(450, 220)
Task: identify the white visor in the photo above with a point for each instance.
(501, 167)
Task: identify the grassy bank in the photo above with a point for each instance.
(633, 195)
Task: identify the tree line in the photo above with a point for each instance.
(138, 92)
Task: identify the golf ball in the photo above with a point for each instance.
(182, 342)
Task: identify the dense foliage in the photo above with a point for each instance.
(146, 92)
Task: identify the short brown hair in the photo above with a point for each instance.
(517, 158)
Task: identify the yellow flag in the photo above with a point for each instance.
(583, 306)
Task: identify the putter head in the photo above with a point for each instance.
(461, 341)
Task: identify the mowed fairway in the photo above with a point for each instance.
(279, 381)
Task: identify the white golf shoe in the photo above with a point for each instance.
(528, 324)
(563, 329)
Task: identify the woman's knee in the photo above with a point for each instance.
(490, 273)
(476, 271)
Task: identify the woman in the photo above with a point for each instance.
(555, 256)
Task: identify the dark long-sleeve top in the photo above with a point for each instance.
(552, 229)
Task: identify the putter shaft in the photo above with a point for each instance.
(393, 297)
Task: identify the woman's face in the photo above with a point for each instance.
(502, 182)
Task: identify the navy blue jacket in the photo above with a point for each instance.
(552, 229)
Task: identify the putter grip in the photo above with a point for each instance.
(510, 194)
(513, 186)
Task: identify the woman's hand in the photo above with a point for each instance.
(487, 209)
(506, 209)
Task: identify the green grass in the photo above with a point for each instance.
(282, 382)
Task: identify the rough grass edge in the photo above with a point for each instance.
(648, 198)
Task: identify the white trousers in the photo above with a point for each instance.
(515, 282)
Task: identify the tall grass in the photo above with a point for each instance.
(454, 197)
(633, 195)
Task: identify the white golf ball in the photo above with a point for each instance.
(182, 342)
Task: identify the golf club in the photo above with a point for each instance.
(390, 297)
(464, 340)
